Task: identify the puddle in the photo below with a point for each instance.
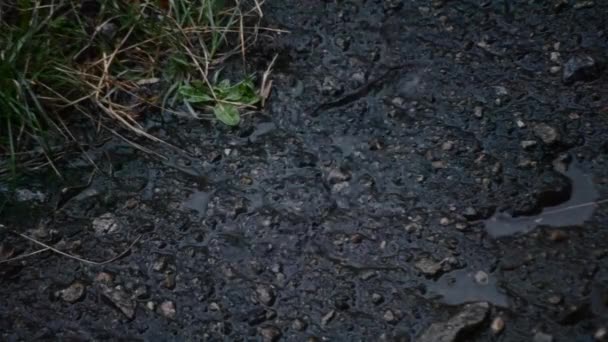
(262, 129)
(197, 201)
(460, 287)
(573, 212)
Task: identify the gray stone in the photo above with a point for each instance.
(299, 324)
(580, 68)
(270, 334)
(167, 309)
(549, 135)
(25, 195)
(120, 299)
(265, 295)
(428, 266)
(471, 316)
(527, 144)
(338, 175)
(105, 224)
(72, 293)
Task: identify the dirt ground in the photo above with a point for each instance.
(424, 171)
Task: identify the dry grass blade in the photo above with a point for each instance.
(67, 255)
(266, 86)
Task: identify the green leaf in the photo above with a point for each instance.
(194, 94)
(227, 114)
(243, 92)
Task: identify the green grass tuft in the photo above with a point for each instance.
(60, 58)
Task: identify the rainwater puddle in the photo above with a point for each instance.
(262, 129)
(461, 286)
(573, 212)
(197, 201)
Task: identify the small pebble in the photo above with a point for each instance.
(498, 325)
(265, 295)
(527, 144)
(72, 293)
(299, 324)
(389, 316)
(167, 309)
(481, 278)
(555, 300)
(558, 235)
(478, 112)
(270, 334)
(601, 334)
(377, 298)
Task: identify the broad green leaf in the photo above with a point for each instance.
(227, 114)
(194, 94)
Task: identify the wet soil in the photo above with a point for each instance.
(359, 205)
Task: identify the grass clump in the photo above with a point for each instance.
(59, 58)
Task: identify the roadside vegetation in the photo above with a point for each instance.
(109, 60)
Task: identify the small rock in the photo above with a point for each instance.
(108, 30)
(356, 238)
(358, 78)
(527, 144)
(167, 309)
(169, 281)
(439, 164)
(330, 86)
(103, 277)
(72, 293)
(377, 298)
(580, 68)
(470, 213)
(389, 316)
(393, 4)
(265, 295)
(555, 300)
(546, 133)
(444, 221)
(428, 266)
(25, 195)
(299, 324)
(520, 123)
(555, 56)
(498, 325)
(558, 235)
(142, 292)
(501, 91)
(120, 299)
(555, 69)
(105, 224)
(447, 146)
(542, 337)
(478, 112)
(270, 334)
(481, 278)
(328, 317)
(471, 316)
(601, 334)
(583, 4)
(375, 144)
(398, 101)
(338, 175)
(160, 264)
